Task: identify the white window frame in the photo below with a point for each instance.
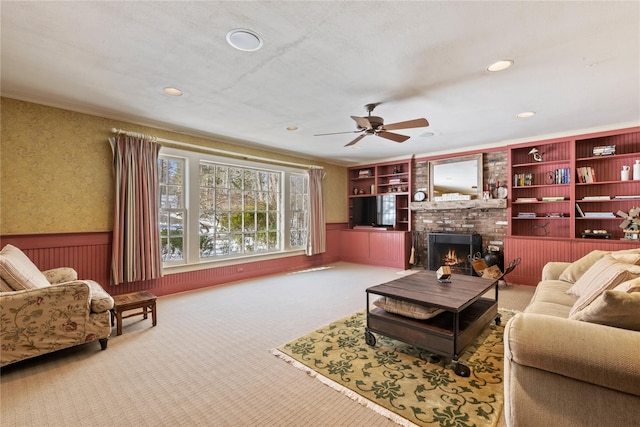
(191, 249)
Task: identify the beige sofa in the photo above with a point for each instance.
(572, 358)
(41, 312)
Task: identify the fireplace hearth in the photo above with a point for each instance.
(453, 250)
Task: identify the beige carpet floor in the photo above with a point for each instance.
(207, 363)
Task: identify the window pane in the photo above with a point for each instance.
(222, 200)
(250, 180)
(222, 176)
(236, 222)
(249, 221)
(235, 176)
(249, 200)
(235, 198)
(261, 221)
(207, 175)
(261, 242)
(207, 198)
(235, 244)
(223, 225)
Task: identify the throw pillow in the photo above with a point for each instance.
(605, 274)
(577, 268)
(629, 286)
(18, 270)
(408, 309)
(613, 308)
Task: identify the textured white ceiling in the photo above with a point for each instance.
(577, 65)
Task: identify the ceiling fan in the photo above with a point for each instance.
(374, 125)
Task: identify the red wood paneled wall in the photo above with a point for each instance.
(90, 255)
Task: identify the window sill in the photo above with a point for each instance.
(208, 264)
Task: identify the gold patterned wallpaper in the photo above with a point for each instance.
(55, 167)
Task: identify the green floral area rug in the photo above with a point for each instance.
(404, 383)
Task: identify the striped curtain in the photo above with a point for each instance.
(317, 239)
(136, 237)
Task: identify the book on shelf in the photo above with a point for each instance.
(637, 196)
(562, 176)
(522, 179)
(553, 199)
(586, 174)
(527, 215)
(599, 215)
(604, 150)
(526, 199)
(579, 211)
(596, 198)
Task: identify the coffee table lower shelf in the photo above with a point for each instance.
(438, 334)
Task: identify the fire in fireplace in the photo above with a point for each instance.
(453, 250)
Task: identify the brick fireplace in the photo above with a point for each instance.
(453, 250)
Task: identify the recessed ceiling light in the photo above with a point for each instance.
(292, 128)
(172, 91)
(245, 40)
(427, 134)
(526, 114)
(500, 65)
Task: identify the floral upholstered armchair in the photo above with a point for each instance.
(41, 312)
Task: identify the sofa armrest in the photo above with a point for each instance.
(60, 275)
(588, 352)
(37, 321)
(553, 270)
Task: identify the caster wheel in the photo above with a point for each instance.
(369, 338)
(434, 359)
(461, 370)
(498, 320)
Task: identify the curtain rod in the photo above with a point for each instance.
(212, 150)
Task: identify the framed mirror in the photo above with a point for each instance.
(462, 175)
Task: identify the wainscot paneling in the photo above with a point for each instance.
(90, 255)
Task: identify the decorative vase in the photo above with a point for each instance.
(624, 173)
(636, 171)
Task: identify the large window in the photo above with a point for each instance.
(217, 209)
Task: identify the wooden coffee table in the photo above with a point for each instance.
(125, 302)
(466, 313)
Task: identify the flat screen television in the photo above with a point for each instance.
(374, 211)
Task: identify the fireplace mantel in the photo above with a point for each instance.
(459, 204)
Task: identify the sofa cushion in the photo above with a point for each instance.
(554, 291)
(404, 308)
(548, 309)
(613, 308)
(577, 268)
(605, 274)
(18, 271)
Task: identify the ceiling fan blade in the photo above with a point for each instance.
(393, 136)
(417, 123)
(337, 133)
(356, 140)
(363, 122)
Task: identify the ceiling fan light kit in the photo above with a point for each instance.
(374, 125)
